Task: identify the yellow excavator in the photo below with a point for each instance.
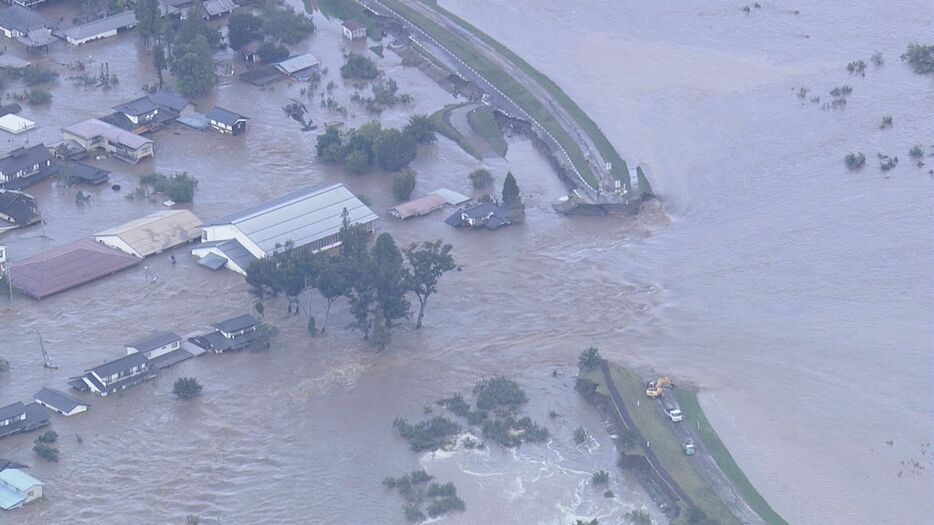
(655, 388)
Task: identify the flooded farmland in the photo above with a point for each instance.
(796, 294)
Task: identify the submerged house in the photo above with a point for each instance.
(153, 233)
(308, 219)
(163, 350)
(25, 166)
(300, 67)
(18, 488)
(154, 109)
(58, 401)
(18, 418)
(230, 335)
(118, 375)
(487, 215)
(227, 122)
(101, 28)
(89, 174)
(18, 208)
(96, 134)
(17, 21)
(216, 8)
(353, 30)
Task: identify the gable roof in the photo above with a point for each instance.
(218, 7)
(23, 158)
(237, 323)
(19, 206)
(297, 63)
(12, 410)
(91, 128)
(233, 251)
(137, 107)
(58, 399)
(120, 365)
(420, 206)
(352, 25)
(101, 25)
(157, 231)
(89, 174)
(154, 341)
(169, 100)
(22, 19)
(67, 266)
(219, 114)
(302, 217)
(37, 37)
(19, 479)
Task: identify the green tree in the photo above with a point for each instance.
(421, 129)
(242, 28)
(589, 359)
(920, 57)
(394, 150)
(357, 162)
(4, 366)
(282, 23)
(312, 326)
(147, 17)
(328, 147)
(258, 306)
(331, 283)
(186, 388)
(193, 67)
(511, 191)
(403, 183)
(428, 262)
(480, 179)
(359, 67)
(269, 52)
(159, 62)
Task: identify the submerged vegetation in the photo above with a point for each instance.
(855, 161)
(418, 489)
(920, 57)
(179, 187)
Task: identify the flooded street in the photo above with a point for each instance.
(798, 295)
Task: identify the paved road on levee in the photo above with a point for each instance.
(499, 99)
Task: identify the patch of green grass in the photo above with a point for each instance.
(694, 415)
(620, 169)
(503, 81)
(483, 123)
(443, 126)
(654, 427)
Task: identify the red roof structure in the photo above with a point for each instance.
(67, 266)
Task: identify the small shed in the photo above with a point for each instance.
(353, 30)
(420, 206)
(89, 174)
(226, 121)
(60, 402)
(15, 124)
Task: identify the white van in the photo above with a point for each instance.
(674, 414)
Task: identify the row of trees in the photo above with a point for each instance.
(376, 281)
(275, 27)
(361, 148)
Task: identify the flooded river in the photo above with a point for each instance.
(797, 294)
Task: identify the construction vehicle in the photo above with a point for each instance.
(688, 447)
(655, 388)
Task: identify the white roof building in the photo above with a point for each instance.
(310, 218)
(299, 66)
(16, 124)
(153, 233)
(18, 488)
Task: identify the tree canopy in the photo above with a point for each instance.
(511, 190)
(403, 184)
(421, 129)
(394, 150)
(359, 67)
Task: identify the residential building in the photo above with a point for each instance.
(161, 106)
(230, 335)
(25, 166)
(138, 111)
(300, 67)
(155, 345)
(153, 233)
(89, 174)
(416, 207)
(18, 208)
(16, 21)
(118, 375)
(60, 402)
(67, 266)
(354, 30)
(227, 122)
(308, 219)
(100, 28)
(19, 417)
(18, 488)
(216, 8)
(95, 134)
(487, 215)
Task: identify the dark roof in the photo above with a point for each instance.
(170, 359)
(213, 261)
(23, 158)
(38, 37)
(233, 251)
(58, 399)
(224, 116)
(352, 25)
(154, 341)
(11, 411)
(89, 174)
(9, 109)
(480, 211)
(169, 100)
(68, 266)
(137, 107)
(120, 365)
(19, 206)
(22, 19)
(237, 323)
(9, 463)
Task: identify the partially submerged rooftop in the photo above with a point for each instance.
(154, 233)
